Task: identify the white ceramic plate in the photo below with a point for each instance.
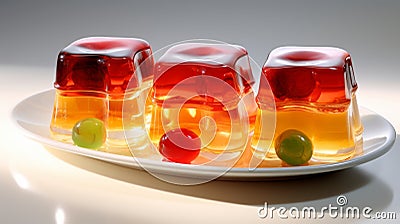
(33, 115)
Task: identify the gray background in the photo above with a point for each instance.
(33, 32)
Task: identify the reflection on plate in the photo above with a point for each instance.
(33, 115)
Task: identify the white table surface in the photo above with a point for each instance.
(40, 185)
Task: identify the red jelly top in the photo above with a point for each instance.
(104, 64)
(309, 74)
(221, 71)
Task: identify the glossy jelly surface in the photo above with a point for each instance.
(95, 77)
(228, 63)
(199, 87)
(309, 75)
(314, 90)
(102, 64)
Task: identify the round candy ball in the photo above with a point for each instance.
(293, 147)
(180, 145)
(89, 133)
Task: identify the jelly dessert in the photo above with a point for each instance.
(314, 92)
(205, 88)
(92, 82)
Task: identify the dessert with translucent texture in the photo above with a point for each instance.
(206, 88)
(314, 90)
(95, 77)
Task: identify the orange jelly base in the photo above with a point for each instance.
(199, 121)
(219, 130)
(72, 106)
(335, 134)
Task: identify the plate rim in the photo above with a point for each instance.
(184, 170)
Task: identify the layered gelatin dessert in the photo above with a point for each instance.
(206, 89)
(316, 108)
(95, 77)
